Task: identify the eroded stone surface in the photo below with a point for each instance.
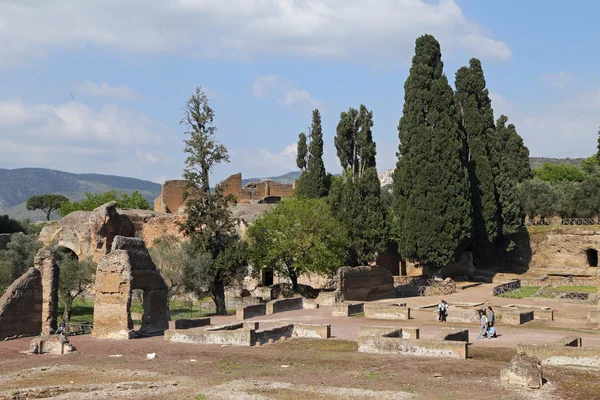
(21, 306)
(523, 371)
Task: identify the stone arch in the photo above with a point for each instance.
(128, 266)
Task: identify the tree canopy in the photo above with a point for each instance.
(135, 200)
(215, 255)
(431, 183)
(299, 236)
(313, 181)
(48, 203)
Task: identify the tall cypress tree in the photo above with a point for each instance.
(312, 182)
(431, 182)
(477, 122)
(510, 160)
(513, 150)
(355, 198)
(598, 151)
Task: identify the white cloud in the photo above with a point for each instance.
(566, 128)
(77, 138)
(105, 90)
(561, 79)
(285, 93)
(284, 160)
(354, 30)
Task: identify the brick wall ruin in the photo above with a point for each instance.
(171, 196)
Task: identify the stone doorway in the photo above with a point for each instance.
(592, 257)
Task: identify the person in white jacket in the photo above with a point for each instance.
(482, 325)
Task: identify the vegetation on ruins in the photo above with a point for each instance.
(355, 197)
(48, 203)
(92, 201)
(215, 255)
(299, 236)
(75, 278)
(167, 255)
(18, 257)
(431, 182)
(313, 181)
(477, 122)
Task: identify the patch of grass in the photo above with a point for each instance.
(530, 291)
(82, 310)
(230, 367)
(585, 289)
(200, 396)
(372, 375)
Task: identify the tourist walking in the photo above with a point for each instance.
(482, 325)
(491, 318)
(442, 310)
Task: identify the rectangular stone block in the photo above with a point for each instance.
(517, 317)
(281, 305)
(310, 304)
(186, 323)
(543, 315)
(563, 355)
(251, 311)
(458, 314)
(389, 331)
(385, 311)
(571, 341)
(412, 347)
(235, 337)
(253, 326)
(459, 335)
(312, 330)
(594, 316)
(264, 335)
(329, 298)
(347, 309)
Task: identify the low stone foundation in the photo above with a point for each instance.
(310, 304)
(524, 371)
(563, 354)
(517, 317)
(252, 311)
(281, 305)
(459, 335)
(186, 323)
(594, 317)
(540, 313)
(459, 314)
(386, 311)
(570, 341)
(412, 347)
(347, 309)
(50, 345)
(389, 331)
(246, 334)
(329, 298)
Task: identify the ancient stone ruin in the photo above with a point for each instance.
(29, 306)
(171, 198)
(126, 267)
(523, 371)
(50, 345)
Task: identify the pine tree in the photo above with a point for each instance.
(477, 122)
(598, 152)
(355, 198)
(313, 181)
(431, 182)
(513, 150)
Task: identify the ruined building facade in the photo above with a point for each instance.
(171, 200)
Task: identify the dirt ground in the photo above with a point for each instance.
(300, 368)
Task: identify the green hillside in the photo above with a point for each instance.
(18, 185)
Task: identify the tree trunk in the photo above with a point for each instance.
(68, 308)
(218, 295)
(294, 279)
(48, 215)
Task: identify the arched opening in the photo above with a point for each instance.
(592, 257)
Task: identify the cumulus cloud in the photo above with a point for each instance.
(75, 137)
(564, 128)
(105, 90)
(561, 79)
(285, 93)
(353, 30)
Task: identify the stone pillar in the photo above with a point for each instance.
(46, 264)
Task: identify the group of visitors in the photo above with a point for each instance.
(486, 324)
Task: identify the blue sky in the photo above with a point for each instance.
(99, 86)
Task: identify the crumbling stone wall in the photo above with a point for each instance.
(128, 266)
(21, 306)
(365, 283)
(46, 264)
(171, 195)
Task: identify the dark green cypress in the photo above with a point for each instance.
(477, 122)
(513, 150)
(431, 182)
(598, 151)
(312, 182)
(355, 198)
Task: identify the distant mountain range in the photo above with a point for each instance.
(18, 185)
